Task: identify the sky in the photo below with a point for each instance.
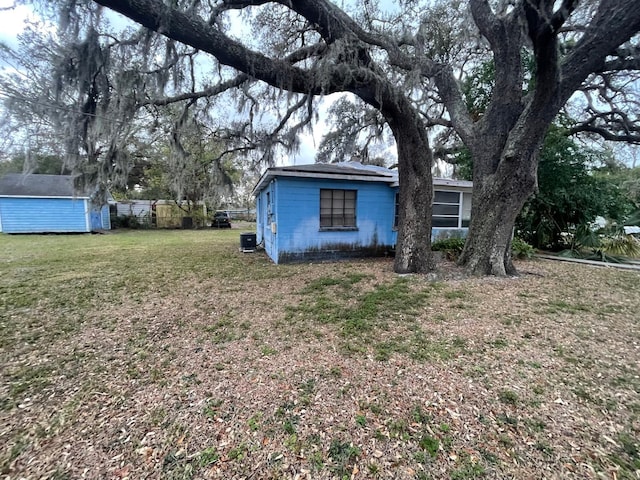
(11, 21)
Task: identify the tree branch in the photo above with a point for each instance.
(208, 92)
(606, 133)
(589, 54)
(562, 14)
(488, 24)
(621, 64)
(193, 31)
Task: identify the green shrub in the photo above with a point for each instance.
(604, 245)
(521, 249)
(456, 244)
(125, 221)
(622, 245)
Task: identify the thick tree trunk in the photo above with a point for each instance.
(497, 200)
(413, 247)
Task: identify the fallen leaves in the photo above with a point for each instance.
(212, 382)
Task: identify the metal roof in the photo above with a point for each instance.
(334, 171)
(347, 171)
(349, 168)
(36, 185)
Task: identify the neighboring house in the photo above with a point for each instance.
(48, 204)
(141, 209)
(321, 211)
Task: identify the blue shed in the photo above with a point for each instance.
(48, 204)
(320, 211)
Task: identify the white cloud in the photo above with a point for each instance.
(307, 152)
(12, 20)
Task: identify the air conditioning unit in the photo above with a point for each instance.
(248, 242)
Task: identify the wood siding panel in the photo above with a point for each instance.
(297, 213)
(106, 217)
(40, 215)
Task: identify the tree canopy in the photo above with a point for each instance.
(570, 193)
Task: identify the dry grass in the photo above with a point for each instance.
(171, 355)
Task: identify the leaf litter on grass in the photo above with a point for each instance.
(366, 374)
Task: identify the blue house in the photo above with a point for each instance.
(48, 204)
(321, 211)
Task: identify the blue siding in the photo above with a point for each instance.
(296, 213)
(38, 215)
(106, 217)
(100, 218)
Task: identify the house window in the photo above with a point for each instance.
(396, 215)
(268, 208)
(446, 209)
(337, 208)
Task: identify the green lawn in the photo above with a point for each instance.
(171, 354)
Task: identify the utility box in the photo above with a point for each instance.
(248, 242)
(187, 222)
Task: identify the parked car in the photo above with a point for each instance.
(221, 220)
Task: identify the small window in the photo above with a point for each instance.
(446, 197)
(268, 208)
(446, 212)
(396, 215)
(337, 208)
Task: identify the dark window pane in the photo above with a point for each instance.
(445, 209)
(445, 221)
(397, 211)
(325, 220)
(337, 208)
(446, 197)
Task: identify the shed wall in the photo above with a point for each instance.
(265, 212)
(41, 215)
(296, 213)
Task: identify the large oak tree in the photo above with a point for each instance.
(504, 143)
(335, 58)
